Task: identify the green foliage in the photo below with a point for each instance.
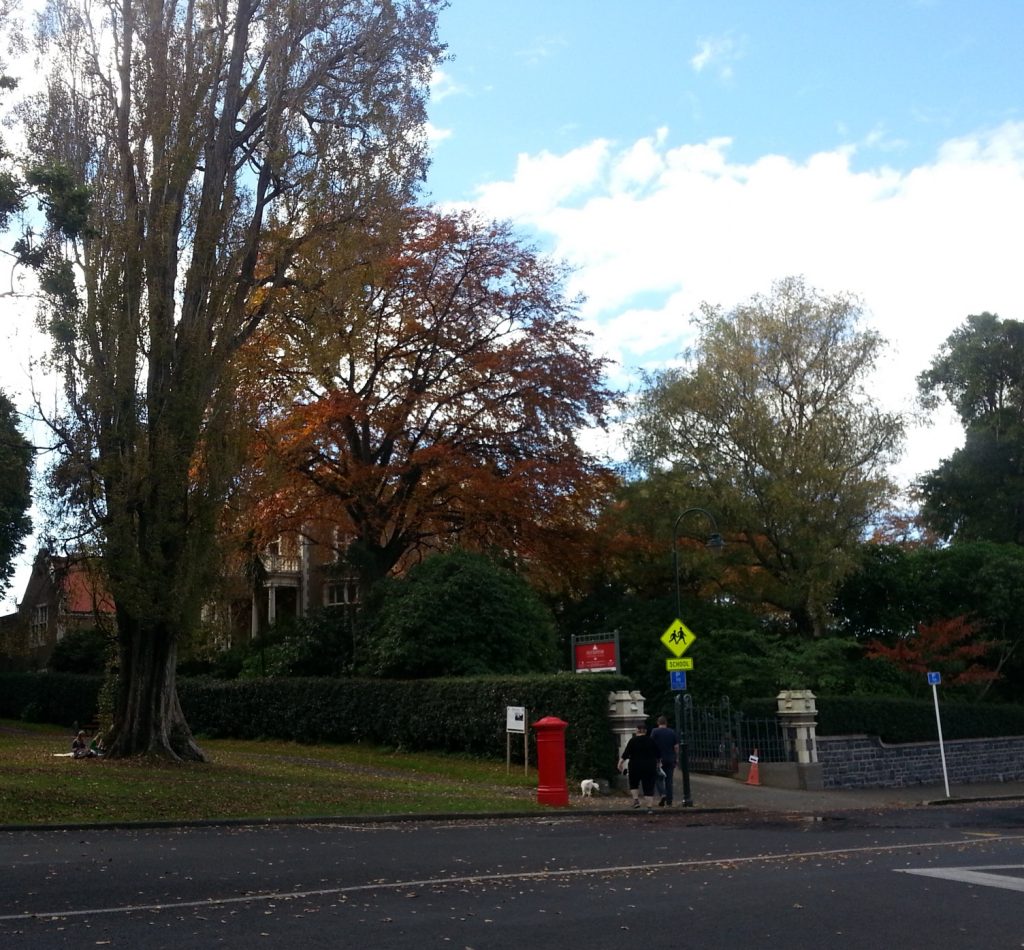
(975, 493)
(771, 421)
(455, 715)
(896, 591)
(11, 200)
(12, 187)
(318, 644)
(457, 614)
(15, 489)
(62, 196)
(736, 654)
(913, 720)
(64, 698)
(81, 651)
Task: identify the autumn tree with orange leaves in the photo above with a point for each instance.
(425, 389)
(950, 646)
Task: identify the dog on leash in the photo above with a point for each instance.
(588, 786)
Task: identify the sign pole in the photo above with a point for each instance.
(526, 745)
(516, 718)
(935, 679)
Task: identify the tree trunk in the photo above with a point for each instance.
(147, 715)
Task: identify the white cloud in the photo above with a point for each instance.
(541, 48)
(435, 134)
(547, 182)
(443, 85)
(653, 230)
(719, 53)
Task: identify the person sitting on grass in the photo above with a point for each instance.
(96, 747)
(79, 749)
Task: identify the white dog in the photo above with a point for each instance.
(588, 786)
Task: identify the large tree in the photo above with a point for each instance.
(898, 590)
(183, 147)
(771, 421)
(434, 389)
(977, 493)
(16, 456)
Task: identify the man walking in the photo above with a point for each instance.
(668, 751)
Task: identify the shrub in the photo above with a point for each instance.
(81, 651)
(457, 614)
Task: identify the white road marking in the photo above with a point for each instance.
(491, 878)
(975, 875)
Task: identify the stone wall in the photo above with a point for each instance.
(866, 761)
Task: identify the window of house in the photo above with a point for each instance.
(40, 621)
(341, 593)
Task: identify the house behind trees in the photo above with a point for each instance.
(63, 594)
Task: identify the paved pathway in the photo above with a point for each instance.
(717, 792)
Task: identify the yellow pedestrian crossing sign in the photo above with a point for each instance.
(678, 637)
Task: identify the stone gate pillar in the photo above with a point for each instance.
(798, 715)
(625, 710)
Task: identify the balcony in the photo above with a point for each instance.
(281, 568)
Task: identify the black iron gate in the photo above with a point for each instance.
(718, 739)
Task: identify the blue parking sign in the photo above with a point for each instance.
(677, 679)
(934, 679)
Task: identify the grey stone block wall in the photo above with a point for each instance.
(866, 761)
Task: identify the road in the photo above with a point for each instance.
(950, 877)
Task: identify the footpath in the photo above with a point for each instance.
(713, 791)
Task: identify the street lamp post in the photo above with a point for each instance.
(714, 543)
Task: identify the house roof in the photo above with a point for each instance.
(84, 591)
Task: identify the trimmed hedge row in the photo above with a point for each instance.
(457, 715)
(64, 698)
(913, 720)
(896, 720)
(454, 715)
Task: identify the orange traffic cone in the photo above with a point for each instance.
(754, 777)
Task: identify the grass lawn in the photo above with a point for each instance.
(245, 780)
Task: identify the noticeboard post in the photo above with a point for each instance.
(515, 721)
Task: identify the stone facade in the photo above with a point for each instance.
(866, 761)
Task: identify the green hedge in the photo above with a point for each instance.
(913, 720)
(63, 698)
(457, 715)
(905, 720)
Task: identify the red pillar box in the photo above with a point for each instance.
(551, 787)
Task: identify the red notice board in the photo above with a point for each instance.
(594, 655)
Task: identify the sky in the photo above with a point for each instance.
(676, 152)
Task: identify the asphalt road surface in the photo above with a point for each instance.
(949, 877)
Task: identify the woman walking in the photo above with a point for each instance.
(642, 755)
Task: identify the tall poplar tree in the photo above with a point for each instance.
(186, 151)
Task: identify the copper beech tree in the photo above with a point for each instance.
(431, 390)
